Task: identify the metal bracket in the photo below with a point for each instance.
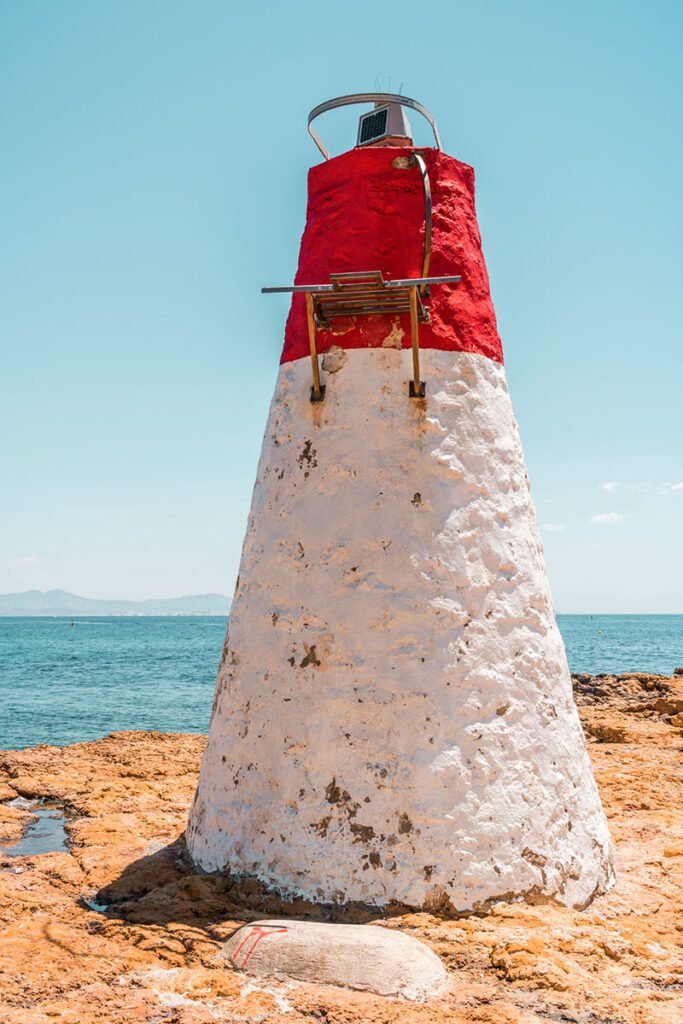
(365, 293)
(416, 388)
(317, 390)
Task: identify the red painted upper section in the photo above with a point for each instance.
(366, 211)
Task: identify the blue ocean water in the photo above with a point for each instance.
(66, 680)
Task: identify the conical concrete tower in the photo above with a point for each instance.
(393, 718)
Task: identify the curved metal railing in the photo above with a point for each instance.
(427, 191)
(368, 97)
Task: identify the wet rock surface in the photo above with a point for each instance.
(121, 928)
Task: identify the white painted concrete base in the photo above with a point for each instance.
(362, 957)
(393, 717)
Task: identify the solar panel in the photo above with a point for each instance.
(373, 125)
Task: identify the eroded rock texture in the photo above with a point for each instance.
(154, 955)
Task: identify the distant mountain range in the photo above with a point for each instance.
(59, 602)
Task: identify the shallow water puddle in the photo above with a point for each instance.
(96, 905)
(44, 834)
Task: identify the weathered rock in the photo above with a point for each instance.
(13, 821)
(154, 955)
(355, 956)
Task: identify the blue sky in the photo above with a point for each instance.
(153, 167)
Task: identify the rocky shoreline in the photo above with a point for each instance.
(120, 928)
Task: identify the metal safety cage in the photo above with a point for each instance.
(365, 293)
(368, 97)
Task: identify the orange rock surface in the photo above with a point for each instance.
(154, 954)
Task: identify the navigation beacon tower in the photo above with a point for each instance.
(393, 718)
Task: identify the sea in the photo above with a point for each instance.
(65, 680)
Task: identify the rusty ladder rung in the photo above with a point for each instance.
(366, 293)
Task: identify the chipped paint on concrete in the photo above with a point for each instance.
(393, 717)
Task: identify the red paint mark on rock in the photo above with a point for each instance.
(256, 933)
(365, 213)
